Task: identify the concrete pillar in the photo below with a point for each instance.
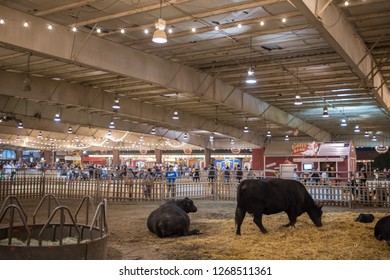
(258, 159)
(207, 157)
(115, 157)
(158, 155)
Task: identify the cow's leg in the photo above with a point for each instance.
(240, 215)
(257, 219)
(293, 219)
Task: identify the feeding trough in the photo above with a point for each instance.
(61, 237)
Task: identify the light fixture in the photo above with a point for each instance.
(122, 30)
(40, 135)
(216, 28)
(111, 125)
(325, 113)
(153, 131)
(298, 100)
(211, 138)
(175, 115)
(284, 20)
(231, 141)
(70, 131)
(286, 138)
(357, 129)
(27, 81)
(262, 23)
(269, 134)
(17, 138)
(185, 137)
(343, 122)
(346, 3)
(25, 24)
(98, 30)
(57, 117)
(250, 79)
(374, 138)
(50, 26)
(20, 124)
(141, 138)
(77, 138)
(109, 133)
(159, 35)
(246, 129)
(74, 29)
(116, 104)
(239, 25)
(193, 29)
(2, 21)
(366, 134)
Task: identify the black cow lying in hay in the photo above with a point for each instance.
(382, 229)
(271, 196)
(365, 218)
(171, 218)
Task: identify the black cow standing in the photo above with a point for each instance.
(271, 196)
(382, 229)
(171, 218)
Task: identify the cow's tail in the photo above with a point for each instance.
(240, 212)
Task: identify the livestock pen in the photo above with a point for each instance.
(122, 188)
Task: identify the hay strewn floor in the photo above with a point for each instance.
(340, 238)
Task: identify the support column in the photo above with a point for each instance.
(258, 159)
(207, 157)
(19, 154)
(47, 157)
(115, 157)
(158, 155)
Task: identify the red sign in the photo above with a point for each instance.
(305, 149)
(143, 152)
(187, 151)
(235, 151)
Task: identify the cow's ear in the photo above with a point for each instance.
(321, 206)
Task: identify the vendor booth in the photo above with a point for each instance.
(282, 158)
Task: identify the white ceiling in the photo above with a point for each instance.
(330, 54)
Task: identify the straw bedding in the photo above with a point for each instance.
(340, 238)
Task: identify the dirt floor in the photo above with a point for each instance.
(340, 237)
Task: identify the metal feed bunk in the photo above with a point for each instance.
(57, 241)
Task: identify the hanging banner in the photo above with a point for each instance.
(305, 149)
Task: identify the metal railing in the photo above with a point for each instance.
(123, 188)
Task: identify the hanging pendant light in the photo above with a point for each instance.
(343, 122)
(57, 117)
(20, 124)
(298, 100)
(116, 104)
(250, 78)
(159, 36)
(40, 135)
(325, 113)
(111, 125)
(27, 81)
(175, 115)
(357, 129)
(153, 131)
(269, 134)
(70, 131)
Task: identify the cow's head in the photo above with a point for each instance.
(315, 215)
(188, 205)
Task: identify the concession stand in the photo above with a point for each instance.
(283, 157)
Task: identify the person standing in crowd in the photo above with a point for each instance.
(170, 176)
(226, 174)
(295, 175)
(196, 175)
(148, 181)
(251, 174)
(211, 177)
(239, 173)
(315, 176)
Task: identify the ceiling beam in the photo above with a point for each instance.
(76, 102)
(340, 34)
(82, 49)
